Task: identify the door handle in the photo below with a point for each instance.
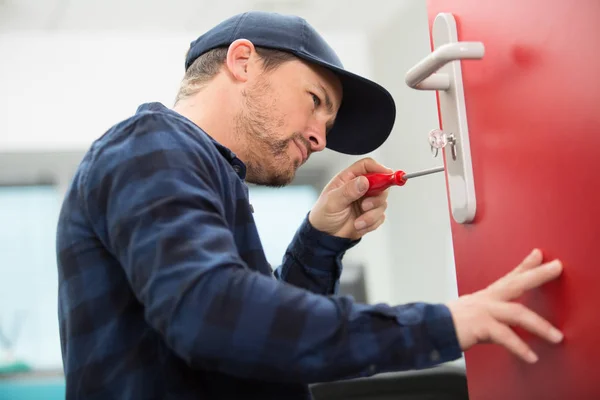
(441, 71)
(422, 76)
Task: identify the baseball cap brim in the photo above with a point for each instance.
(366, 115)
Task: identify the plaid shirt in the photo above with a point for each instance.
(165, 291)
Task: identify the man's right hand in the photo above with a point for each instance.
(486, 316)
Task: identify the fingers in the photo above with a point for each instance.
(488, 315)
(518, 315)
(530, 279)
(367, 165)
(532, 260)
(373, 213)
(372, 227)
(504, 336)
(371, 218)
(350, 184)
(342, 197)
(529, 274)
(537, 277)
(371, 203)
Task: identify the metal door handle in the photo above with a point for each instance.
(422, 75)
(441, 70)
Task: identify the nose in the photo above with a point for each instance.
(316, 136)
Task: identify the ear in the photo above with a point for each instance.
(239, 57)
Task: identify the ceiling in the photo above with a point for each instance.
(186, 15)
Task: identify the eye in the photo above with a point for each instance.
(316, 100)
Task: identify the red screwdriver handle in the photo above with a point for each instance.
(379, 182)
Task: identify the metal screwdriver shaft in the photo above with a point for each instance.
(424, 172)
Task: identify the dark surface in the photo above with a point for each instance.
(441, 383)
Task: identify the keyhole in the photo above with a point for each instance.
(439, 139)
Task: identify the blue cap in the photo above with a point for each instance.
(367, 112)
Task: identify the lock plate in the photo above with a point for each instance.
(459, 169)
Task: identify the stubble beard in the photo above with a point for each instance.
(266, 156)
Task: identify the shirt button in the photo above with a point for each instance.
(372, 368)
(434, 355)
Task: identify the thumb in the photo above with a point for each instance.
(347, 194)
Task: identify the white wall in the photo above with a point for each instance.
(419, 225)
(63, 90)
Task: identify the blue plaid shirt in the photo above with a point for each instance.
(165, 291)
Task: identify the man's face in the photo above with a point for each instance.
(285, 116)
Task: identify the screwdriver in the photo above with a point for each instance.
(379, 182)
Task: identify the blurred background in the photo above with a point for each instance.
(70, 69)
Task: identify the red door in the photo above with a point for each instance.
(533, 111)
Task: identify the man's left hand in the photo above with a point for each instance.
(342, 211)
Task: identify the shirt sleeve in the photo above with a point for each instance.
(164, 222)
(313, 260)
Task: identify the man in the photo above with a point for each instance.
(165, 291)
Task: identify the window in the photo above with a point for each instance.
(28, 276)
(278, 214)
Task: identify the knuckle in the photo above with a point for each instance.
(380, 201)
(518, 310)
(517, 346)
(375, 203)
(363, 162)
(513, 342)
(522, 348)
(539, 322)
(482, 332)
(347, 191)
(378, 218)
(368, 220)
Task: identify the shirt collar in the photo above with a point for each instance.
(238, 165)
